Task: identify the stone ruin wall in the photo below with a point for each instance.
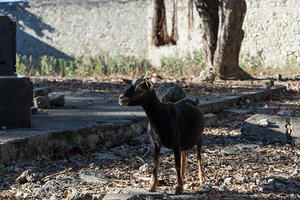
(67, 28)
(272, 31)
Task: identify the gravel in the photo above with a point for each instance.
(234, 168)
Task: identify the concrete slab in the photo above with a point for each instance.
(273, 131)
(15, 102)
(91, 121)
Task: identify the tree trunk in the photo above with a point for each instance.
(221, 26)
(174, 35)
(160, 34)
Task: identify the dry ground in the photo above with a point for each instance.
(234, 167)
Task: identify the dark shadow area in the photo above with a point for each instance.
(19, 13)
(27, 44)
(274, 132)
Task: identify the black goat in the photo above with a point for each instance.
(177, 126)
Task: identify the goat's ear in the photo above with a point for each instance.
(126, 81)
(149, 84)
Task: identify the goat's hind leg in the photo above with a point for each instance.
(183, 164)
(179, 186)
(155, 170)
(200, 172)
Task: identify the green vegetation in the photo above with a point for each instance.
(253, 64)
(256, 67)
(82, 67)
(103, 65)
(107, 66)
(187, 65)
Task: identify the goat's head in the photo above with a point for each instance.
(137, 92)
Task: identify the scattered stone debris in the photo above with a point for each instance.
(266, 111)
(170, 92)
(42, 102)
(210, 119)
(238, 111)
(245, 170)
(44, 99)
(93, 177)
(57, 100)
(284, 113)
(263, 122)
(106, 156)
(41, 92)
(26, 176)
(240, 178)
(78, 195)
(144, 168)
(231, 150)
(228, 180)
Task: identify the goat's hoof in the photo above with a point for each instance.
(178, 190)
(202, 180)
(153, 189)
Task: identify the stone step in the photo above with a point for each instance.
(91, 121)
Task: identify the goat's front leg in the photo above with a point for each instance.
(179, 186)
(155, 170)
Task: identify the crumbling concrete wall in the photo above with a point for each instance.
(68, 28)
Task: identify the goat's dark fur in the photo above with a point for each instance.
(177, 126)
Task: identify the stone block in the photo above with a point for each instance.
(57, 101)
(8, 46)
(170, 92)
(42, 102)
(210, 119)
(38, 92)
(15, 102)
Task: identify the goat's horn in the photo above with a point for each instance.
(149, 84)
(148, 77)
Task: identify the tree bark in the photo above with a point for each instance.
(160, 34)
(221, 25)
(209, 21)
(174, 35)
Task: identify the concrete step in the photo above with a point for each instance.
(91, 122)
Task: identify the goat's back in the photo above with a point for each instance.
(190, 122)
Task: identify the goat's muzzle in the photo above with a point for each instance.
(123, 101)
